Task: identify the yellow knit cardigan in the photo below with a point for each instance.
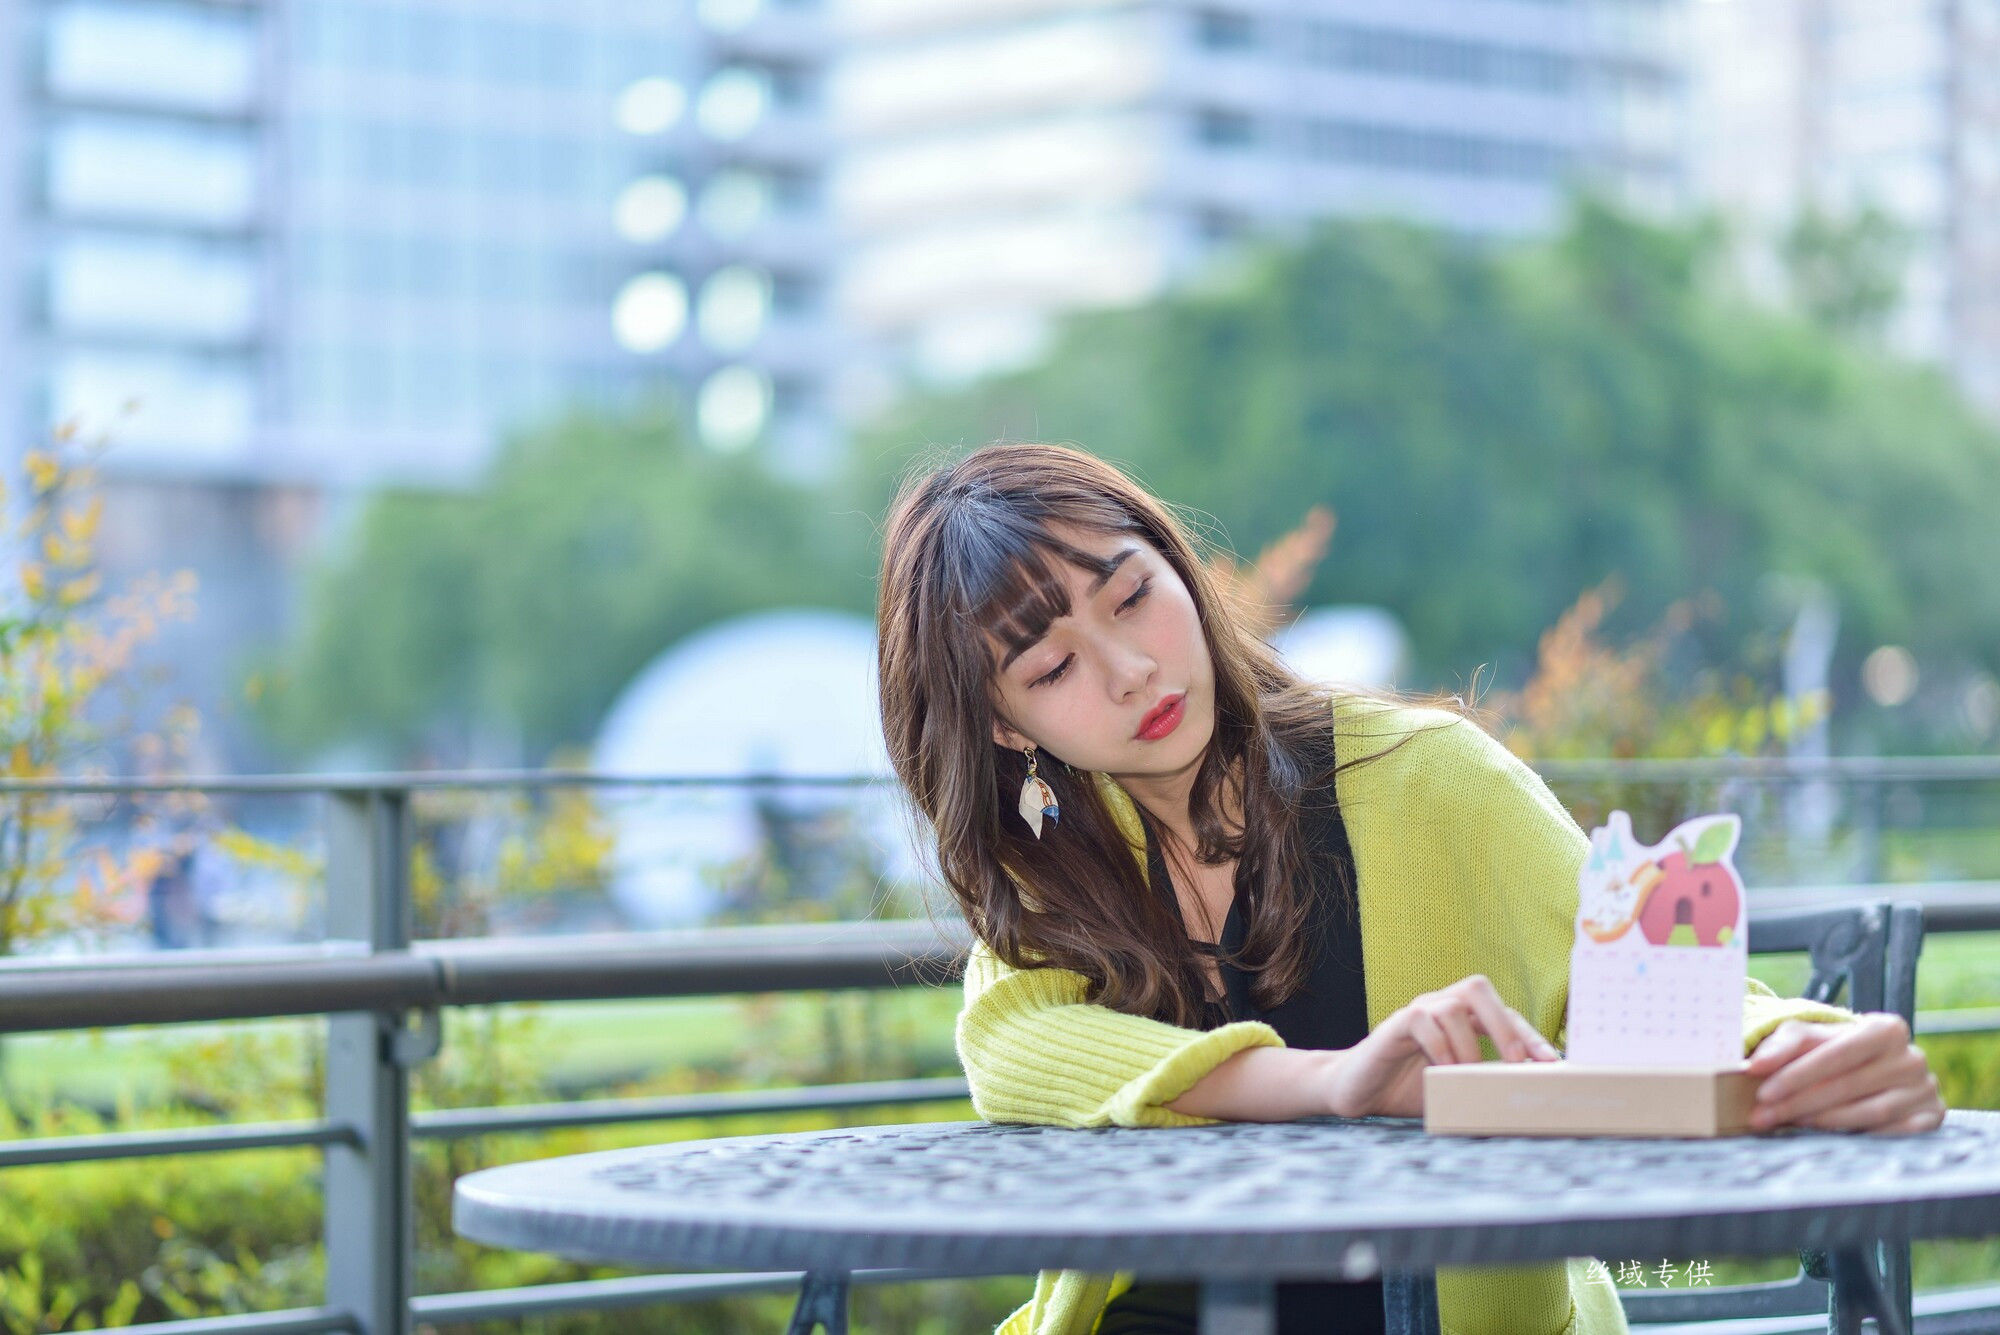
(1464, 863)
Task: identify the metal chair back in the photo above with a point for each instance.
(1863, 956)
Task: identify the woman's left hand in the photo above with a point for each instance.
(1860, 1075)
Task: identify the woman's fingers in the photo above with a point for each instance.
(1471, 1007)
(1513, 1037)
(1886, 1108)
(1839, 1048)
(1432, 1037)
(1439, 1028)
(1907, 1107)
(1456, 1017)
(1533, 1047)
(1896, 1070)
(1859, 1076)
(1930, 1119)
(1445, 1028)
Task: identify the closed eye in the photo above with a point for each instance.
(1057, 673)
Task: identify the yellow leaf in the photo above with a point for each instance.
(42, 468)
(77, 590)
(32, 582)
(79, 526)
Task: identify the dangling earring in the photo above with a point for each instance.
(1038, 800)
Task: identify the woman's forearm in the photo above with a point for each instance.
(1263, 1085)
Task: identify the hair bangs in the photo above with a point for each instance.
(1010, 581)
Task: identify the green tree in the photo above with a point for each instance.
(520, 608)
(1501, 428)
(1845, 272)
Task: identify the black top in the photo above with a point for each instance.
(1329, 1011)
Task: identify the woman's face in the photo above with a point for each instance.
(1124, 682)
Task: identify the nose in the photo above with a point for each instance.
(1129, 670)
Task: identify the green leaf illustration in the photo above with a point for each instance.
(1714, 843)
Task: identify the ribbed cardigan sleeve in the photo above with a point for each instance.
(1035, 1051)
(1764, 1010)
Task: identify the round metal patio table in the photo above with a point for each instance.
(1236, 1206)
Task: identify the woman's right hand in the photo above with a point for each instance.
(1383, 1074)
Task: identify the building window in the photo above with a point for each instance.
(188, 56)
(180, 289)
(650, 312)
(651, 105)
(794, 190)
(1221, 30)
(650, 208)
(1224, 129)
(131, 168)
(189, 407)
(791, 85)
(1400, 148)
(1220, 225)
(733, 102)
(733, 308)
(732, 408)
(1439, 59)
(1652, 79)
(793, 293)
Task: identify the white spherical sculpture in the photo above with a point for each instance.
(1350, 645)
(788, 693)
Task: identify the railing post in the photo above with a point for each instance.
(368, 1225)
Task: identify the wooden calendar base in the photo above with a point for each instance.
(1561, 1099)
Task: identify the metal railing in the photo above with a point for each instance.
(382, 993)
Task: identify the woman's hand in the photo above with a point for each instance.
(1383, 1074)
(1861, 1075)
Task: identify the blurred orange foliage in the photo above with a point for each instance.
(1263, 593)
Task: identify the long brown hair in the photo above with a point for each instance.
(968, 554)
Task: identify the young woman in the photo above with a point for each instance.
(1203, 889)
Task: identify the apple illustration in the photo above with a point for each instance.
(1697, 899)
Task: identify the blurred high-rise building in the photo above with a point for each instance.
(1838, 105)
(1004, 161)
(283, 251)
(347, 241)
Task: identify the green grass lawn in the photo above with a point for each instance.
(576, 1046)
(1956, 970)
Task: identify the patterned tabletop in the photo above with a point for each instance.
(1320, 1197)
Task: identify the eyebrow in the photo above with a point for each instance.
(1097, 582)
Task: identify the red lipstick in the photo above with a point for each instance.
(1162, 718)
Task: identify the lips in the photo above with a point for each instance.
(1162, 718)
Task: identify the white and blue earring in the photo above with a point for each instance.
(1038, 800)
